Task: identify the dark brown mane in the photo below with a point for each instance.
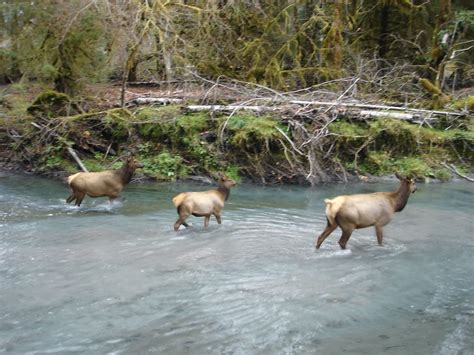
(126, 172)
(224, 191)
(402, 196)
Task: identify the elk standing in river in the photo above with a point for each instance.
(203, 204)
(105, 183)
(351, 212)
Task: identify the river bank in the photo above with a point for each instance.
(42, 127)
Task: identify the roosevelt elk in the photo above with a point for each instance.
(105, 183)
(203, 204)
(351, 212)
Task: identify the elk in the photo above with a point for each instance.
(203, 204)
(99, 184)
(350, 212)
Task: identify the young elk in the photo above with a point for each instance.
(203, 204)
(105, 183)
(351, 212)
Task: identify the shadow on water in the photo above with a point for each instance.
(117, 279)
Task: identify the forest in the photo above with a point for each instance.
(301, 91)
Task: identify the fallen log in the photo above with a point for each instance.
(229, 108)
(152, 101)
(361, 109)
(375, 107)
(157, 83)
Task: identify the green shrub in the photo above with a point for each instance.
(164, 166)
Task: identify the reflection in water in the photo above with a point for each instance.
(116, 278)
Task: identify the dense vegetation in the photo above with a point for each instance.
(414, 52)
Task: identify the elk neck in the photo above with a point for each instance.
(401, 196)
(125, 173)
(224, 191)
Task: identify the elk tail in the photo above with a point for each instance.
(72, 177)
(178, 199)
(330, 212)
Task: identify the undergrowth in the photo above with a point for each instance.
(384, 146)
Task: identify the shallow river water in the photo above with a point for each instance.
(117, 279)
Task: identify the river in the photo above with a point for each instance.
(117, 279)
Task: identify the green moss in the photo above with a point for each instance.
(192, 124)
(157, 114)
(349, 130)
(17, 106)
(254, 133)
(387, 145)
(466, 103)
(170, 127)
(51, 103)
(117, 123)
(381, 163)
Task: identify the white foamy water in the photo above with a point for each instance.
(117, 279)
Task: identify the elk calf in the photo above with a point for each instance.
(105, 183)
(350, 212)
(203, 204)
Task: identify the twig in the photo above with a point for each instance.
(289, 141)
(453, 169)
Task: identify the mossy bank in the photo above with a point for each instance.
(175, 144)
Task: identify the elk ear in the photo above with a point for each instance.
(399, 177)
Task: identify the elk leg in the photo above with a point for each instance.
(70, 198)
(379, 232)
(183, 213)
(79, 199)
(180, 221)
(328, 230)
(206, 220)
(218, 218)
(177, 224)
(346, 234)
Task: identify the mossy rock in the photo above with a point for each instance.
(51, 103)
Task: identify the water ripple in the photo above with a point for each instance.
(117, 279)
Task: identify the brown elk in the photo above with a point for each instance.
(351, 212)
(203, 204)
(105, 183)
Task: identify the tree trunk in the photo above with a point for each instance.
(438, 50)
(384, 33)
